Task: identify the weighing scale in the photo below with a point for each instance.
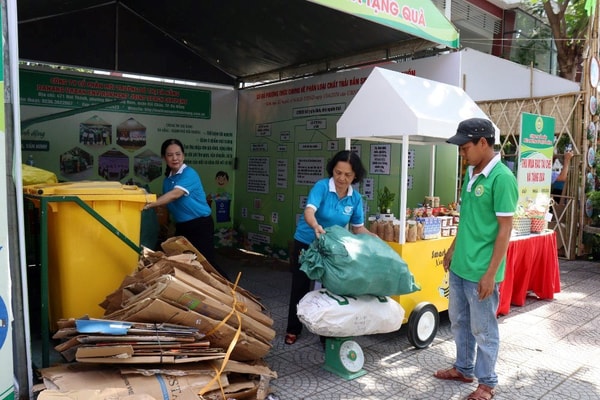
(344, 357)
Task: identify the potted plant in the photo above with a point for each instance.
(385, 199)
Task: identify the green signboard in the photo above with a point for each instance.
(48, 89)
(535, 159)
(420, 18)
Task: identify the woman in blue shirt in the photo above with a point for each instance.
(184, 196)
(331, 201)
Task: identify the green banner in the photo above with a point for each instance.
(417, 17)
(48, 89)
(535, 159)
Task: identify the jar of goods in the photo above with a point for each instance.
(388, 231)
(411, 231)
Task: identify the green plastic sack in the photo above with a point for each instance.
(356, 265)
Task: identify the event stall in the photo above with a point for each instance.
(396, 107)
(400, 108)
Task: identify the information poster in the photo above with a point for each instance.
(104, 128)
(380, 159)
(535, 159)
(286, 137)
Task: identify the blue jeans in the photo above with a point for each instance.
(475, 329)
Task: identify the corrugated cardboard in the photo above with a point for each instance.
(162, 359)
(171, 289)
(181, 381)
(179, 245)
(141, 279)
(76, 377)
(101, 394)
(105, 351)
(132, 354)
(247, 348)
(222, 297)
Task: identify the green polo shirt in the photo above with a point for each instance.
(484, 197)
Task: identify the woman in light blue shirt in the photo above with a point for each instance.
(331, 201)
(184, 196)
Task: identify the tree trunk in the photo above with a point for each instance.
(569, 50)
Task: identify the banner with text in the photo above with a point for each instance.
(535, 159)
(418, 17)
(88, 127)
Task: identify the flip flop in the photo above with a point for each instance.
(452, 374)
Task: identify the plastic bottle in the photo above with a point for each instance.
(30, 160)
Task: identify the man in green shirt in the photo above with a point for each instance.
(476, 258)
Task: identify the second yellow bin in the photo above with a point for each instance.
(87, 261)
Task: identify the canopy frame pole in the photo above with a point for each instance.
(432, 152)
(403, 187)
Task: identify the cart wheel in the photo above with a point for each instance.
(423, 324)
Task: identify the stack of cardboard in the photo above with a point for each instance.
(180, 287)
(177, 309)
(109, 342)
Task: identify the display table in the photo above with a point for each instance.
(531, 265)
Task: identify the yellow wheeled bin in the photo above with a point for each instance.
(91, 237)
(425, 261)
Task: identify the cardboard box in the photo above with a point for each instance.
(104, 394)
(432, 227)
(82, 377)
(181, 382)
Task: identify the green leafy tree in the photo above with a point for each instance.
(568, 20)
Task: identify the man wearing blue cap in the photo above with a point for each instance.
(476, 258)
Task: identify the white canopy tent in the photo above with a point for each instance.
(396, 107)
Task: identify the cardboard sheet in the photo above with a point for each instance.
(78, 377)
(247, 348)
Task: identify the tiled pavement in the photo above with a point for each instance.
(550, 349)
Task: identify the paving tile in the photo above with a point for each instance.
(514, 354)
(575, 389)
(590, 374)
(547, 308)
(549, 348)
(576, 314)
(302, 386)
(525, 386)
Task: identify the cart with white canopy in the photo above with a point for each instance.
(395, 107)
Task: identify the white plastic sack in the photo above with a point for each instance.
(327, 314)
